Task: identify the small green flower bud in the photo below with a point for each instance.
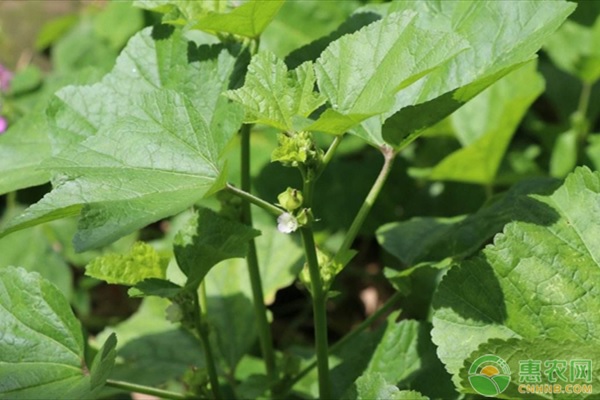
(291, 199)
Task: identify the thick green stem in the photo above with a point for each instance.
(257, 201)
(319, 312)
(389, 155)
(360, 328)
(202, 329)
(135, 388)
(264, 330)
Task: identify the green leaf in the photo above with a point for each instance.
(28, 249)
(361, 73)
(158, 58)
(274, 96)
(428, 239)
(118, 22)
(80, 47)
(517, 31)
(521, 357)
(573, 48)
(207, 240)
(486, 125)
(119, 189)
(151, 350)
(142, 262)
(537, 280)
(250, 19)
(18, 145)
(36, 316)
(564, 154)
(53, 30)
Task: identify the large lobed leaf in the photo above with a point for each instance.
(132, 173)
(41, 346)
(142, 144)
(361, 73)
(538, 281)
(501, 37)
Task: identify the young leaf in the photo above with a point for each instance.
(207, 240)
(42, 347)
(142, 262)
(517, 31)
(274, 96)
(537, 280)
(138, 170)
(486, 125)
(361, 73)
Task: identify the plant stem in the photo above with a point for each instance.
(202, 329)
(319, 296)
(319, 312)
(360, 328)
(389, 155)
(584, 99)
(135, 388)
(257, 201)
(329, 154)
(264, 330)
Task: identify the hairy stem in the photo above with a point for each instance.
(264, 330)
(257, 201)
(135, 388)
(202, 329)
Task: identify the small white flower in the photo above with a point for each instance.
(286, 223)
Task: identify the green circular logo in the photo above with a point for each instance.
(489, 375)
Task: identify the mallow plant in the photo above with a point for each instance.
(173, 133)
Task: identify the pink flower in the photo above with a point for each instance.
(3, 125)
(5, 78)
